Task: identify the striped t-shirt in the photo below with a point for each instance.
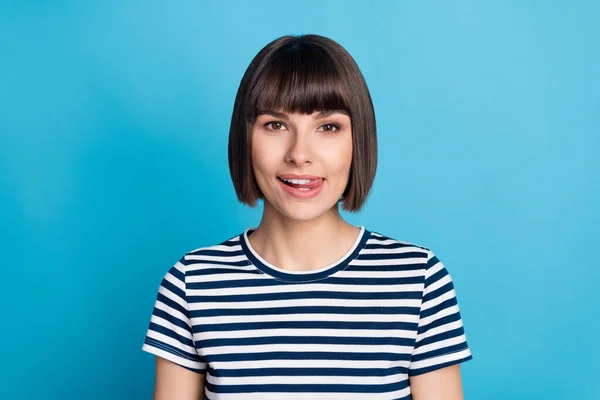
(356, 329)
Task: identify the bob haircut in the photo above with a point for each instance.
(303, 74)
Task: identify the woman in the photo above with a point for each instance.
(306, 306)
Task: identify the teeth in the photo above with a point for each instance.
(298, 181)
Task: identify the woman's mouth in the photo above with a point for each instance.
(302, 187)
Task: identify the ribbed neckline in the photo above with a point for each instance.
(303, 276)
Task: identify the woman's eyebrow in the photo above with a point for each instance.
(328, 113)
(321, 115)
(273, 113)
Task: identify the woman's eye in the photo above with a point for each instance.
(274, 125)
(330, 127)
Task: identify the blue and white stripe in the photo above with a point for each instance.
(355, 329)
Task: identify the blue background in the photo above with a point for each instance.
(114, 119)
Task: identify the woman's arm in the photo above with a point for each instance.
(174, 382)
(441, 384)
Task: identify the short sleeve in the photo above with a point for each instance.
(169, 334)
(441, 339)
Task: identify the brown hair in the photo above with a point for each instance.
(304, 73)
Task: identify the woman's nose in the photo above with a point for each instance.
(299, 151)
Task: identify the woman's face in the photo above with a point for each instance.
(302, 161)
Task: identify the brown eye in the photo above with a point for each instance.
(330, 127)
(274, 125)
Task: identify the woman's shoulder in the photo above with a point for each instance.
(383, 240)
(391, 247)
(218, 251)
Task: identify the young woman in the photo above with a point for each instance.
(306, 306)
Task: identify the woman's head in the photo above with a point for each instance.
(303, 107)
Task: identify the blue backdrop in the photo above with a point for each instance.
(114, 119)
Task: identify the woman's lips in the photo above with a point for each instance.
(303, 191)
(295, 176)
(312, 184)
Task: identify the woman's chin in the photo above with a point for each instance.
(302, 212)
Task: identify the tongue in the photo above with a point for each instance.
(310, 185)
(296, 185)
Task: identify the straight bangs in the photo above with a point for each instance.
(298, 79)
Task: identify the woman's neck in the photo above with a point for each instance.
(303, 245)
